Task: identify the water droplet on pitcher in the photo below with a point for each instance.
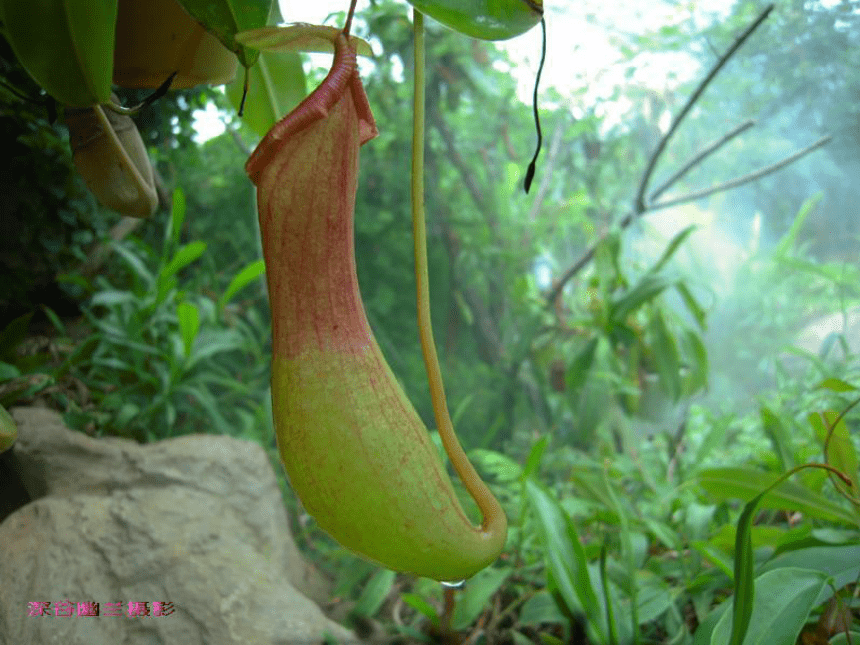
(459, 584)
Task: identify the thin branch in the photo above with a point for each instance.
(455, 158)
(631, 216)
(701, 156)
(661, 145)
(640, 205)
(744, 179)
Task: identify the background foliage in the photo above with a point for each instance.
(629, 422)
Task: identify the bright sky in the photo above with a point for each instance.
(579, 51)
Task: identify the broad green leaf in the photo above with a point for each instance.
(841, 453)
(744, 596)
(189, 324)
(182, 258)
(500, 466)
(421, 606)
(842, 563)
(745, 483)
(842, 639)
(696, 356)
(654, 596)
(137, 265)
(12, 334)
(476, 596)
(565, 557)
(276, 84)
(541, 608)
(112, 297)
(783, 601)
(579, 368)
(224, 18)
(715, 556)
(837, 385)
(666, 359)
(177, 218)
(299, 37)
(535, 456)
(215, 341)
(374, 593)
(644, 291)
(693, 306)
(775, 431)
(8, 371)
(486, 19)
(65, 45)
(242, 279)
(8, 430)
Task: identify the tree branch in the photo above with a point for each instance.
(701, 156)
(694, 97)
(744, 179)
(640, 207)
(689, 197)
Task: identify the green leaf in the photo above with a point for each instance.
(565, 557)
(182, 258)
(693, 306)
(475, 596)
(535, 456)
(486, 19)
(716, 557)
(644, 291)
(8, 371)
(500, 466)
(541, 609)
(421, 606)
(744, 597)
(779, 437)
(12, 335)
(300, 37)
(276, 84)
(836, 385)
(784, 599)
(225, 18)
(177, 218)
(580, 366)
(241, 280)
(788, 240)
(374, 593)
(672, 247)
(65, 45)
(8, 430)
(842, 563)
(189, 324)
(745, 483)
(841, 453)
(666, 359)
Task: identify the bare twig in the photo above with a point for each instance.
(701, 156)
(694, 97)
(640, 206)
(744, 179)
(455, 158)
(689, 197)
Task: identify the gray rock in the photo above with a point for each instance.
(196, 521)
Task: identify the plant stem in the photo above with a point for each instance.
(495, 522)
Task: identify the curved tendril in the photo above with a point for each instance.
(530, 172)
